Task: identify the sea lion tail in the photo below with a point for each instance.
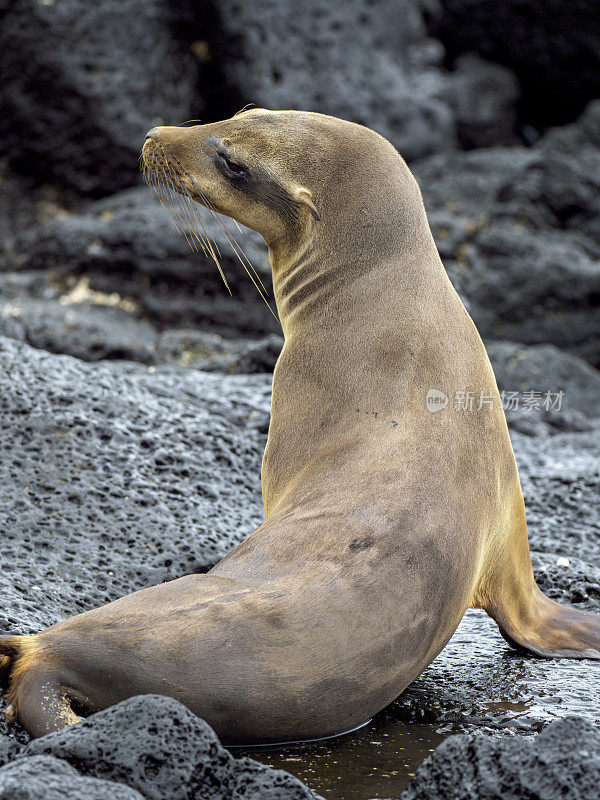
(35, 695)
(9, 648)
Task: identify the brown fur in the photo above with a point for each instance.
(383, 522)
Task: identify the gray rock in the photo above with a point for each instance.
(156, 746)
(531, 286)
(53, 779)
(9, 748)
(560, 477)
(518, 234)
(114, 477)
(90, 332)
(585, 132)
(127, 244)
(110, 92)
(563, 761)
(568, 580)
(553, 47)
(12, 327)
(327, 57)
(484, 99)
(467, 183)
(545, 368)
(212, 353)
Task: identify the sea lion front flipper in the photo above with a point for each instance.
(528, 619)
(549, 629)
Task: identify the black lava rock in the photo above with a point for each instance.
(88, 331)
(329, 57)
(126, 244)
(545, 368)
(212, 353)
(560, 476)
(484, 99)
(54, 779)
(518, 232)
(112, 69)
(553, 46)
(562, 762)
(156, 746)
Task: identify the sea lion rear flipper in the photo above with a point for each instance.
(35, 695)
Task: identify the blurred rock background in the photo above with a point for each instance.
(134, 392)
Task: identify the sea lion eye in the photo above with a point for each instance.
(232, 167)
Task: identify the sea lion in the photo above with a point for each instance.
(384, 520)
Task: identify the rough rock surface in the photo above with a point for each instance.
(90, 140)
(87, 331)
(156, 747)
(115, 478)
(544, 368)
(563, 761)
(518, 232)
(212, 353)
(483, 97)
(116, 475)
(53, 779)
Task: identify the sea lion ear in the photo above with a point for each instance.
(304, 196)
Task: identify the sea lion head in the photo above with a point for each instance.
(259, 167)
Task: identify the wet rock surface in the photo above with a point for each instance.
(563, 761)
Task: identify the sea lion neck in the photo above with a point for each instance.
(350, 258)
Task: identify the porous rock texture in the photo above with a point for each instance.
(562, 762)
(142, 466)
(149, 747)
(322, 56)
(54, 779)
(115, 478)
(107, 91)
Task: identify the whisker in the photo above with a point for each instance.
(193, 206)
(208, 241)
(195, 217)
(235, 245)
(168, 184)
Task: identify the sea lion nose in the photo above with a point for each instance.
(153, 133)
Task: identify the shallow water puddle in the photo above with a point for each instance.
(376, 761)
(476, 683)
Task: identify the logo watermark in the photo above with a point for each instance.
(466, 401)
(436, 400)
